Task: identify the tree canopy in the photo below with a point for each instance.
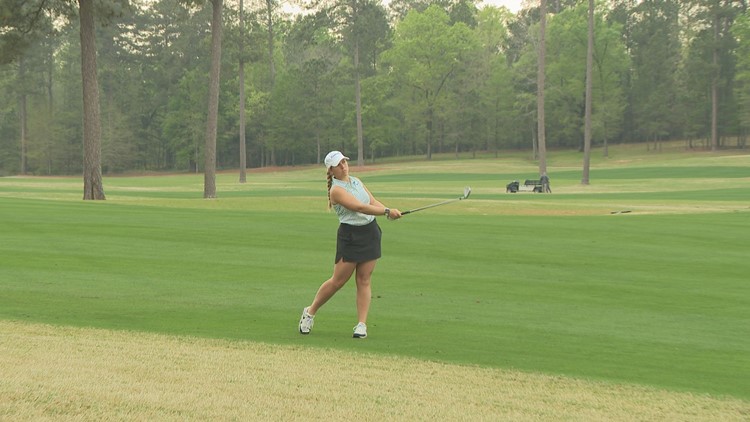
(435, 76)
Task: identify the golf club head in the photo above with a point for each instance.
(467, 192)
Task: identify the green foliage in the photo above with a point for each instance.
(436, 77)
(655, 34)
(566, 75)
(9, 147)
(741, 30)
(711, 65)
(426, 57)
(363, 25)
(183, 125)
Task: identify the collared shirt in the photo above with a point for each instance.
(357, 189)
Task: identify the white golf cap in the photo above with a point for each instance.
(334, 158)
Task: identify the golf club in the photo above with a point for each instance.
(467, 192)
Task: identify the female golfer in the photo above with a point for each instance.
(357, 242)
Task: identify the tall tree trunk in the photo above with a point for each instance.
(605, 149)
(92, 132)
(209, 179)
(270, 159)
(50, 108)
(589, 83)
(540, 88)
(358, 100)
(429, 134)
(715, 90)
(22, 114)
(269, 22)
(318, 147)
(243, 147)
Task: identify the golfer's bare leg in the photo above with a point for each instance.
(364, 289)
(342, 272)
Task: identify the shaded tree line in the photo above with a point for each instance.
(414, 78)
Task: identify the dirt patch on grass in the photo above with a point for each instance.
(63, 373)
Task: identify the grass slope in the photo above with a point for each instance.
(537, 283)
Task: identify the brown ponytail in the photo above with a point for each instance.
(330, 183)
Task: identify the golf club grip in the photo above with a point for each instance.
(406, 212)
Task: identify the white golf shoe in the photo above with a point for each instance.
(360, 331)
(306, 322)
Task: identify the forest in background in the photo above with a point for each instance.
(436, 76)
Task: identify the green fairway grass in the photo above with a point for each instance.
(555, 283)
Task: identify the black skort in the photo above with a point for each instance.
(358, 243)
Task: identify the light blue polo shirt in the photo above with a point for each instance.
(347, 216)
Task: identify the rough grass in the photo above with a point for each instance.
(63, 373)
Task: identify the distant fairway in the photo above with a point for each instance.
(524, 284)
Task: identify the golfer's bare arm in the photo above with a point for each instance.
(342, 197)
